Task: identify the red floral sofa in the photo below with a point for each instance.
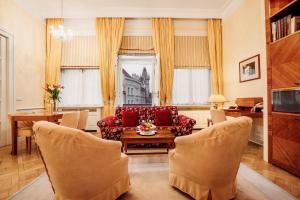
(129, 117)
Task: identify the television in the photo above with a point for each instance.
(286, 100)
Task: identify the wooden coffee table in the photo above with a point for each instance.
(161, 137)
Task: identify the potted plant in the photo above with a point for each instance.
(54, 91)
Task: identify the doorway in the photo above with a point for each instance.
(6, 85)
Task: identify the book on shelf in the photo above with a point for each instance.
(284, 26)
(295, 24)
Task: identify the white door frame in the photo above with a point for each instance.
(5, 138)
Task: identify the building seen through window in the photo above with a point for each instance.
(136, 87)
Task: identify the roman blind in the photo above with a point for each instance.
(191, 43)
(191, 52)
(137, 45)
(81, 50)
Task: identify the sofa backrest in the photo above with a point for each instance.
(146, 112)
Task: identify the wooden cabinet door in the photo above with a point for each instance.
(286, 141)
(285, 58)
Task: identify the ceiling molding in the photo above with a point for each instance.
(230, 7)
(135, 12)
(139, 13)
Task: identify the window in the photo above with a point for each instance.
(136, 80)
(82, 87)
(191, 86)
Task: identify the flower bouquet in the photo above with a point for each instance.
(54, 91)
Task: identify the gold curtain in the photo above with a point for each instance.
(109, 35)
(215, 54)
(191, 52)
(53, 57)
(164, 45)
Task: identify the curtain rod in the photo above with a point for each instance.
(124, 49)
(166, 17)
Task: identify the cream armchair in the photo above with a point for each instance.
(205, 164)
(80, 165)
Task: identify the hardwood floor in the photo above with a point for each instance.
(253, 159)
(17, 171)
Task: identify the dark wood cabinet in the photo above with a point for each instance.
(286, 141)
(285, 56)
(283, 71)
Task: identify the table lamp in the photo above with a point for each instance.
(217, 100)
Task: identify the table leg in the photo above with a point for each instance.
(168, 147)
(14, 137)
(125, 147)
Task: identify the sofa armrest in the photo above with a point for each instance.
(186, 121)
(107, 122)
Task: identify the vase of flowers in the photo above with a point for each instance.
(54, 91)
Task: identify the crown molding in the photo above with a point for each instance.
(230, 7)
(136, 12)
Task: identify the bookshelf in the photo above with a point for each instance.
(285, 20)
(283, 71)
(285, 10)
(285, 37)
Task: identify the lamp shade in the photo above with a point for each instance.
(216, 98)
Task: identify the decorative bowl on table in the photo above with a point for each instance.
(146, 129)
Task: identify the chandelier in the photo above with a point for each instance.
(59, 31)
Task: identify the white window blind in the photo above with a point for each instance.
(191, 86)
(82, 87)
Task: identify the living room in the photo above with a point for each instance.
(181, 99)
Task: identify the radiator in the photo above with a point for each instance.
(200, 116)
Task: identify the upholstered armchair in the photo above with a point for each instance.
(205, 164)
(80, 165)
(112, 126)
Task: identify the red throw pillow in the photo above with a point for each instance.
(130, 118)
(163, 118)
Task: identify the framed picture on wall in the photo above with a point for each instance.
(250, 69)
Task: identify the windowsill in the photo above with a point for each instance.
(81, 106)
(193, 107)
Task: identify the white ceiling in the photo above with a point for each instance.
(129, 8)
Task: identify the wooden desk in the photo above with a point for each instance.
(15, 117)
(239, 113)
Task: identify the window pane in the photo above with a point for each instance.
(82, 87)
(72, 81)
(200, 85)
(91, 87)
(191, 86)
(181, 86)
(137, 75)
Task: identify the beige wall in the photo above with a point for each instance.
(29, 52)
(244, 37)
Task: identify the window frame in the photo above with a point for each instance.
(154, 83)
(82, 69)
(191, 89)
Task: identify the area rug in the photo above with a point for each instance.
(149, 180)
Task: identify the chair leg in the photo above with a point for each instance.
(28, 145)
